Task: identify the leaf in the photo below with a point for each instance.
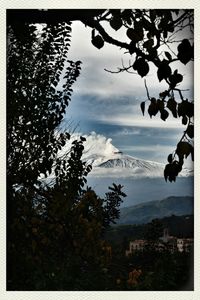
(170, 158)
(160, 104)
(137, 63)
(127, 16)
(181, 110)
(164, 71)
(98, 41)
(190, 131)
(148, 44)
(168, 55)
(142, 105)
(116, 23)
(164, 114)
(172, 105)
(83, 139)
(143, 69)
(186, 108)
(184, 120)
(167, 171)
(175, 78)
(130, 33)
(135, 35)
(185, 51)
(153, 109)
(141, 66)
(183, 148)
(189, 109)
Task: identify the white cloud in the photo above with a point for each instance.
(127, 132)
(97, 144)
(147, 148)
(132, 120)
(94, 80)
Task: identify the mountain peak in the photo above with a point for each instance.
(119, 164)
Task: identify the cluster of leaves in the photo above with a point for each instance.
(148, 31)
(185, 110)
(35, 106)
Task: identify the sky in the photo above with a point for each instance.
(109, 104)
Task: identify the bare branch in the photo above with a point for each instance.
(147, 89)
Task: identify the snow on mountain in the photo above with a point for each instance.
(108, 161)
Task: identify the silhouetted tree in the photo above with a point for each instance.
(54, 232)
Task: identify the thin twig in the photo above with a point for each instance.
(147, 89)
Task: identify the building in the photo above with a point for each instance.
(184, 245)
(166, 242)
(137, 245)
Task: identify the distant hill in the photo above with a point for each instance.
(179, 226)
(145, 212)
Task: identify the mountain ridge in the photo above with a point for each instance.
(147, 211)
(127, 166)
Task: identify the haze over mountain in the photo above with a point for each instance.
(145, 212)
(108, 161)
(143, 180)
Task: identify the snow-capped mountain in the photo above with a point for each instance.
(108, 161)
(119, 164)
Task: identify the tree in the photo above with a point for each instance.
(154, 230)
(148, 31)
(54, 232)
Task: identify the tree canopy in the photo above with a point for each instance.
(54, 232)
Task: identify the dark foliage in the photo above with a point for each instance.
(54, 232)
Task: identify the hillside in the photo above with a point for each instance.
(179, 226)
(145, 212)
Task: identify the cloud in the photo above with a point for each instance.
(150, 148)
(127, 132)
(97, 144)
(94, 80)
(135, 120)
